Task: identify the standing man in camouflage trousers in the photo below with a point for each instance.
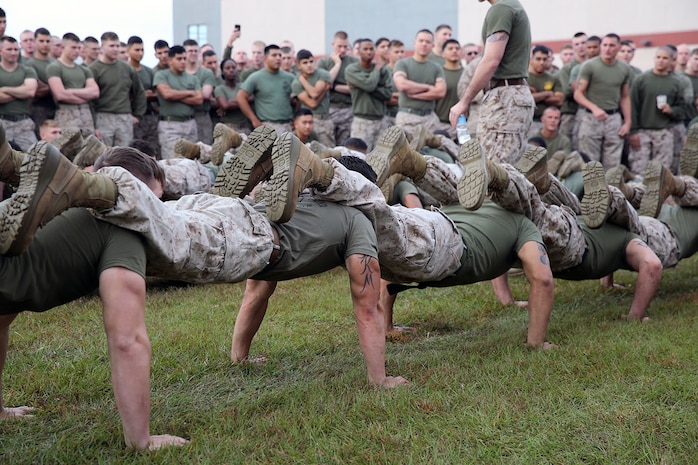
(17, 88)
(507, 109)
(121, 99)
(73, 88)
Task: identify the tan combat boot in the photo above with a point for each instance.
(186, 149)
(250, 165)
(295, 168)
(224, 139)
(90, 152)
(660, 185)
(10, 161)
(69, 142)
(534, 165)
(393, 154)
(49, 184)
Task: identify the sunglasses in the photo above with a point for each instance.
(471, 53)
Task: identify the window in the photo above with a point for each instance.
(198, 32)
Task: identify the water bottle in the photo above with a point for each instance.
(462, 130)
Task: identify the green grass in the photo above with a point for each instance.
(614, 392)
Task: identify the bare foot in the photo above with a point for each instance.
(166, 440)
(9, 413)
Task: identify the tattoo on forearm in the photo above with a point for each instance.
(543, 254)
(498, 37)
(367, 272)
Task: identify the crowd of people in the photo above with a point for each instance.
(277, 166)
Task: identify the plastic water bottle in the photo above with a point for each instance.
(462, 130)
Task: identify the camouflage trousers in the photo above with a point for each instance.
(240, 128)
(413, 244)
(324, 130)
(116, 129)
(280, 128)
(204, 126)
(600, 139)
(655, 144)
(659, 236)
(679, 133)
(75, 116)
(341, 118)
(20, 132)
(505, 117)
(147, 130)
(367, 129)
(450, 130)
(410, 123)
(185, 177)
(169, 132)
(199, 238)
(557, 221)
(569, 126)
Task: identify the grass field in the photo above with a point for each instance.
(613, 392)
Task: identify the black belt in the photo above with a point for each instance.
(608, 112)
(14, 118)
(505, 82)
(177, 119)
(415, 112)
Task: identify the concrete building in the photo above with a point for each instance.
(311, 23)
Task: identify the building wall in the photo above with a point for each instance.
(193, 12)
(311, 23)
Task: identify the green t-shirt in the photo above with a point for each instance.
(242, 77)
(371, 88)
(643, 100)
(73, 77)
(605, 252)
(492, 237)
(182, 81)
(444, 105)
(65, 260)
(318, 75)
(205, 77)
(146, 75)
(231, 116)
(40, 67)
(327, 64)
(120, 89)
(439, 60)
(320, 236)
(557, 143)
(272, 94)
(683, 221)
(426, 72)
(569, 105)
(15, 79)
(605, 81)
(545, 81)
(509, 16)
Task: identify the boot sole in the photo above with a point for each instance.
(241, 173)
(37, 172)
(650, 204)
(688, 161)
(472, 186)
(594, 204)
(280, 195)
(386, 148)
(534, 166)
